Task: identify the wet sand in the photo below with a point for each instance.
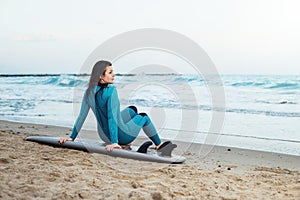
(34, 171)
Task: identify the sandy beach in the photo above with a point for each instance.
(34, 171)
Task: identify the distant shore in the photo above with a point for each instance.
(30, 170)
(72, 74)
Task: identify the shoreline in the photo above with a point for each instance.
(30, 170)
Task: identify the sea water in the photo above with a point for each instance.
(261, 112)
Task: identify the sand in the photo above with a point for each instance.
(34, 171)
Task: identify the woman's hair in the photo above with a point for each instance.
(98, 70)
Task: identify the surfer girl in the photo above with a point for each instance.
(116, 128)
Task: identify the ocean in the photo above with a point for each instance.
(262, 112)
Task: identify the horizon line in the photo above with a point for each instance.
(124, 74)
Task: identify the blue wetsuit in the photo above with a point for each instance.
(113, 126)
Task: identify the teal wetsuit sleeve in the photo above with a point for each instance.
(84, 110)
(113, 107)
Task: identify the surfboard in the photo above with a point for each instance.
(94, 146)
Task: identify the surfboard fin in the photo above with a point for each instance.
(166, 149)
(144, 147)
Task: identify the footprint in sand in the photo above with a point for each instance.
(4, 161)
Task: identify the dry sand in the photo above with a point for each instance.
(34, 171)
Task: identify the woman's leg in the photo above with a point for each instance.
(150, 130)
(141, 121)
(128, 113)
(138, 121)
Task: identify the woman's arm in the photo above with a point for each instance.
(113, 107)
(84, 110)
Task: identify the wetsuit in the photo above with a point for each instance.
(113, 126)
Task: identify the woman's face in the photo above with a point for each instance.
(109, 75)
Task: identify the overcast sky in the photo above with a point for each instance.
(240, 36)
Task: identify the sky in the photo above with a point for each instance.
(240, 36)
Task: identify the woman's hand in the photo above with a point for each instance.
(110, 147)
(62, 140)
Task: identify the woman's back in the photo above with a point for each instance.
(114, 126)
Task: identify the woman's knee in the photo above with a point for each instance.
(143, 114)
(133, 108)
(128, 113)
(146, 117)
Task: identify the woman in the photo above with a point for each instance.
(114, 127)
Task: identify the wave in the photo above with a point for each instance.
(174, 104)
(277, 102)
(284, 86)
(23, 115)
(264, 112)
(188, 78)
(235, 135)
(73, 80)
(16, 105)
(65, 81)
(59, 101)
(40, 75)
(61, 81)
(267, 85)
(247, 83)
